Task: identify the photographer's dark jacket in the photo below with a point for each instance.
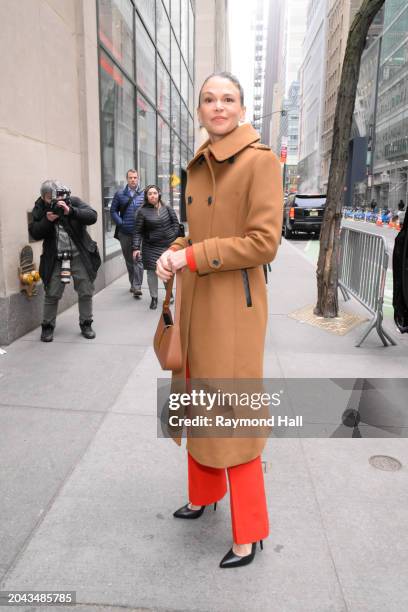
(75, 224)
(156, 230)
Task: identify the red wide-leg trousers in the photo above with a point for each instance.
(249, 514)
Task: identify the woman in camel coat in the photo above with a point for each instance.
(234, 204)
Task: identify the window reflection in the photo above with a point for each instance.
(146, 98)
(145, 62)
(146, 141)
(163, 90)
(147, 10)
(116, 30)
(163, 159)
(117, 136)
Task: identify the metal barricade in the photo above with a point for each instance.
(362, 271)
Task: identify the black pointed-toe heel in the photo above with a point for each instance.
(233, 560)
(187, 513)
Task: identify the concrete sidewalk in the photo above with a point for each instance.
(87, 490)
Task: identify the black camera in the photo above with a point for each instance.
(60, 193)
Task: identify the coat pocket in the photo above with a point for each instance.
(247, 289)
(94, 256)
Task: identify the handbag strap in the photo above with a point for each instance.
(169, 288)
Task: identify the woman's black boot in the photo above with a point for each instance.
(233, 560)
(153, 304)
(187, 513)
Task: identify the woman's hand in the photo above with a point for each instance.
(169, 262)
(136, 254)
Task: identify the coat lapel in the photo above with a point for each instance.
(233, 143)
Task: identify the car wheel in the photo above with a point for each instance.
(287, 232)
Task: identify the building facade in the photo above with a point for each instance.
(312, 86)
(295, 29)
(339, 19)
(259, 27)
(295, 26)
(212, 43)
(381, 110)
(275, 71)
(290, 136)
(106, 86)
(146, 84)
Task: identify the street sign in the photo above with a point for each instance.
(175, 180)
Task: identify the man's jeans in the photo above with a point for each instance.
(134, 266)
(55, 289)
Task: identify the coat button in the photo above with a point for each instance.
(216, 262)
(190, 242)
(209, 200)
(189, 200)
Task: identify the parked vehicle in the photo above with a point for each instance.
(303, 213)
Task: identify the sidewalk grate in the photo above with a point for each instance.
(385, 463)
(340, 325)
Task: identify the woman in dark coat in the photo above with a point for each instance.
(156, 226)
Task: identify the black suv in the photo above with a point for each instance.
(303, 213)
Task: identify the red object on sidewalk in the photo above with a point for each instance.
(249, 514)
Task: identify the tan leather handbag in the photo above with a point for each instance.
(167, 339)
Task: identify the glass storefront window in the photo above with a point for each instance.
(145, 97)
(176, 172)
(118, 138)
(175, 61)
(184, 82)
(163, 90)
(146, 141)
(163, 159)
(183, 157)
(145, 63)
(175, 109)
(184, 28)
(116, 30)
(191, 101)
(190, 134)
(396, 34)
(147, 10)
(190, 39)
(184, 123)
(163, 34)
(175, 17)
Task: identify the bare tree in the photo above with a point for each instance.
(327, 265)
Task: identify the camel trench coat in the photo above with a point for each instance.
(234, 202)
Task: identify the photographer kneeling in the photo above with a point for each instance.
(68, 250)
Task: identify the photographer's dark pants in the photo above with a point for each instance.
(55, 289)
(134, 266)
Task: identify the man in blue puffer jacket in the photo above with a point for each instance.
(124, 207)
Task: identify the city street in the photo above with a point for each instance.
(141, 139)
(88, 490)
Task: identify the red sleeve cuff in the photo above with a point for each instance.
(191, 262)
